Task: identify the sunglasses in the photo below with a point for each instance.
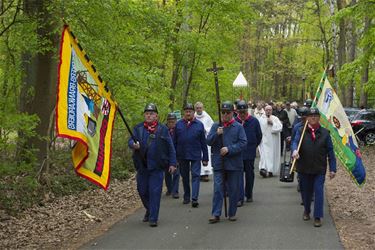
(225, 112)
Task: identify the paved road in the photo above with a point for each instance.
(272, 221)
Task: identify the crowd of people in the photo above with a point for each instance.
(196, 148)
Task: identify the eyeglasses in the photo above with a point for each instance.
(225, 112)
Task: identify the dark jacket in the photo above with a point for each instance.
(155, 153)
(234, 138)
(190, 141)
(253, 135)
(314, 153)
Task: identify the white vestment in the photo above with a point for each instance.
(207, 122)
(269, 148)
(258, 113)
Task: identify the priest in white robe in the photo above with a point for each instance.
(207, 121)
(269, 148)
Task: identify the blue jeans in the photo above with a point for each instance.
(149, 185)
(232, 186)
(246, 188)
(310, 184)
(195, 166)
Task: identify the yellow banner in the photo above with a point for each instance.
(85, 112)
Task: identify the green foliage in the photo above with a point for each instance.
(137, 46)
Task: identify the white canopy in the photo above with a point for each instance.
(240, 81)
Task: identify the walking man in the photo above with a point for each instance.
(227, 153)
(191, 150)
(316, 148)
(207, 121)
(172, 179)
(153, 152)
(254, 137)
(269, 148)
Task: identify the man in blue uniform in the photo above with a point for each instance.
(254, 137)
(191, 149)
(312, 156)
(227, 153)
(172, 179)
(153, 152)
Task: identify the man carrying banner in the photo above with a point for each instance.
(234, 142)
(153, 151)
(316, 147)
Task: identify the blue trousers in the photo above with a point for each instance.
(246, 188)
(232, 186)
(149, 185)
(172, 181)
(310, 184)
(195, 167)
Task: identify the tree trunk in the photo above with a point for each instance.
(365, 76)
(353, 45)
(38, 93)
(341, 52)
(334, 46)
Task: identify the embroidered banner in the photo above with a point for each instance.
(85, 112)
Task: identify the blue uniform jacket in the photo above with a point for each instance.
(296, 127)
(190, 142)
(234, 138)
(155, 153)
(253, 135)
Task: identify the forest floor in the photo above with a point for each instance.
(352, 208)
(68, 222)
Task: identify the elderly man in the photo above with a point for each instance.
(254, 137)
(207, 121)
(191, 150)
(172, 179)
(153, 152)
(227, 154)
(316, 148)
(269, 149)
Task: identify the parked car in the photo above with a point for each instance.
(351, 112)
(363, 124)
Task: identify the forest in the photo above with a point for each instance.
(158, 51)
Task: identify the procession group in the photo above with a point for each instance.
(195, 147)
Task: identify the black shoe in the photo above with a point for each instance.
(186, 202)
(175, 196)
(214, 219)
(240, 204)
(270, 174)
(153, 224)
(317, 222)
(249, 200)
(263, 173)
(168, 193)
(194, 204)
(146, 217)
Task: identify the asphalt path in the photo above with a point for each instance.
(272, 221)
